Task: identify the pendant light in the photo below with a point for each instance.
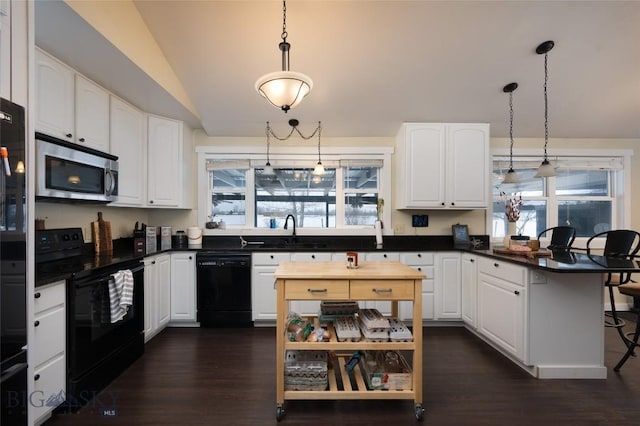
(319, 167)
(511, 176)
(268, 170)
(545, 169)
(318, 170)
(284, 89)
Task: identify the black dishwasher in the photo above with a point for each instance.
(224, 289)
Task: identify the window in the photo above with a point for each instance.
(585, 194)
(349, 194)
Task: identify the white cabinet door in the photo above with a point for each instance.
(448, 303)
(163, 264)
(423, 262)
(164, 148)
(467, 165)
(442, 165)
(183, 287)
(263, 290)
(501, 308)
(91, 114)
(469, 270)
(54, 92)
(128, 142)
(157, 294)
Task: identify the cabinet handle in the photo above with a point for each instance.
(81, 139)
(36, 377)
(313, 256)
(37, 295)
(516, 292)
(442, 204)
(317, 290)
(36, 323)
(419, 254)
(384, 255)
(153, 262)
(150, 201)
(472, 260)
(419, 269)
(69, 135)
(271, 256)
(382, 290)
(496, 264)
(190, 257)
(453, 204)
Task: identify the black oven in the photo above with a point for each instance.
(99, 350)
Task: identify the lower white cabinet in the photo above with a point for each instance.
(502, 297)
(469, 272)
(48, 351)
(423, 262)
(447, 292)
(263, 289)
(183, 288)
(157, 294)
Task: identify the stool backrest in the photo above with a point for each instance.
(619, 242)
(562, 237)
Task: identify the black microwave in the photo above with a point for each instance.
(67, 171)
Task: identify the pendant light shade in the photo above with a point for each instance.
(545, 169)
(284, 89)
(511, 176)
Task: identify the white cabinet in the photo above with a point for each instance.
(5, 49)
(443, 166)
(308, 307)
(447, 292)
(183, 287)
(167, 165)
(469, 270)
(157, 294)
(69, 106)
(48, 350)
(423, 262)
(128, 141)
(502, 305)
(263, 290)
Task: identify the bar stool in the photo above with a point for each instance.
(630, 289)
(561, 237)
(620, 243)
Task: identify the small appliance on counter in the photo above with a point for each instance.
(151, 239)
(164, 239)
(180, 240)
(138, 240)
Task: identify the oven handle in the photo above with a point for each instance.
(106, 280)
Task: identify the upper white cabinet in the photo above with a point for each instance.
(442, 166)
(5, 49)
(167, 151)
(69, 106)
(129, 143)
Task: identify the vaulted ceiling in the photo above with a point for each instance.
(376, 64)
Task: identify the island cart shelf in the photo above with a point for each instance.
(391, 281)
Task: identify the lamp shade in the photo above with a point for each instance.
(318, 170)
(284, 89)
(545, 170)
(511, 177)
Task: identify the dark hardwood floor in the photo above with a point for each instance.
(226, 377)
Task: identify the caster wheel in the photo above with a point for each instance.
(279, 412)
(419, 412)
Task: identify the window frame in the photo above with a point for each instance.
(285, 156)
(620, 185)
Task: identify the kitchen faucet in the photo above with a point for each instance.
(286, 223)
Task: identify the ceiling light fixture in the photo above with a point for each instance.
(284, 89)
(546, 169)
(511, 176)
(318, 169)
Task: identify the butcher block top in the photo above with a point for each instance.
(383, 270)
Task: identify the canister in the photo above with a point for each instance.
(194, 235)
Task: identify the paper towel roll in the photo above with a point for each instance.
(378, 227)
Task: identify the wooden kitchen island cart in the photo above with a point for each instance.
(371, 281)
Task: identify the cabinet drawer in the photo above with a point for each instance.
(269, 258)
(504, 270)
(382, 290)
(417, 259)
(316, 290)
(311, 257)
(51, 381)
(49, 335)
(49, 296)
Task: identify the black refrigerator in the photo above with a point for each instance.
(13, 256)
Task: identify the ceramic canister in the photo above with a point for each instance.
(194, 235)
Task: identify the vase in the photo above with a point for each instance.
(512, 230)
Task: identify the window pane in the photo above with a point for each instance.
(229, 178)
(360, 209)
(528, 185)
(533, 219)
(582, 182)
(229, 206)
(361, 178)
(588, 217)
(310, 198)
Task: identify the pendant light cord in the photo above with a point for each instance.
(546, 108)
(511, 130)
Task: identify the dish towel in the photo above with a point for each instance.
(120, 294)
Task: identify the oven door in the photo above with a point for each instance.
(92, 337)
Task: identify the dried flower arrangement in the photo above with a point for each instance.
(512, 206)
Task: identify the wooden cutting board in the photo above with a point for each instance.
(101, 235)
(532, 254)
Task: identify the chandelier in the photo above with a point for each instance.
(319, 167)
(284, 89)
